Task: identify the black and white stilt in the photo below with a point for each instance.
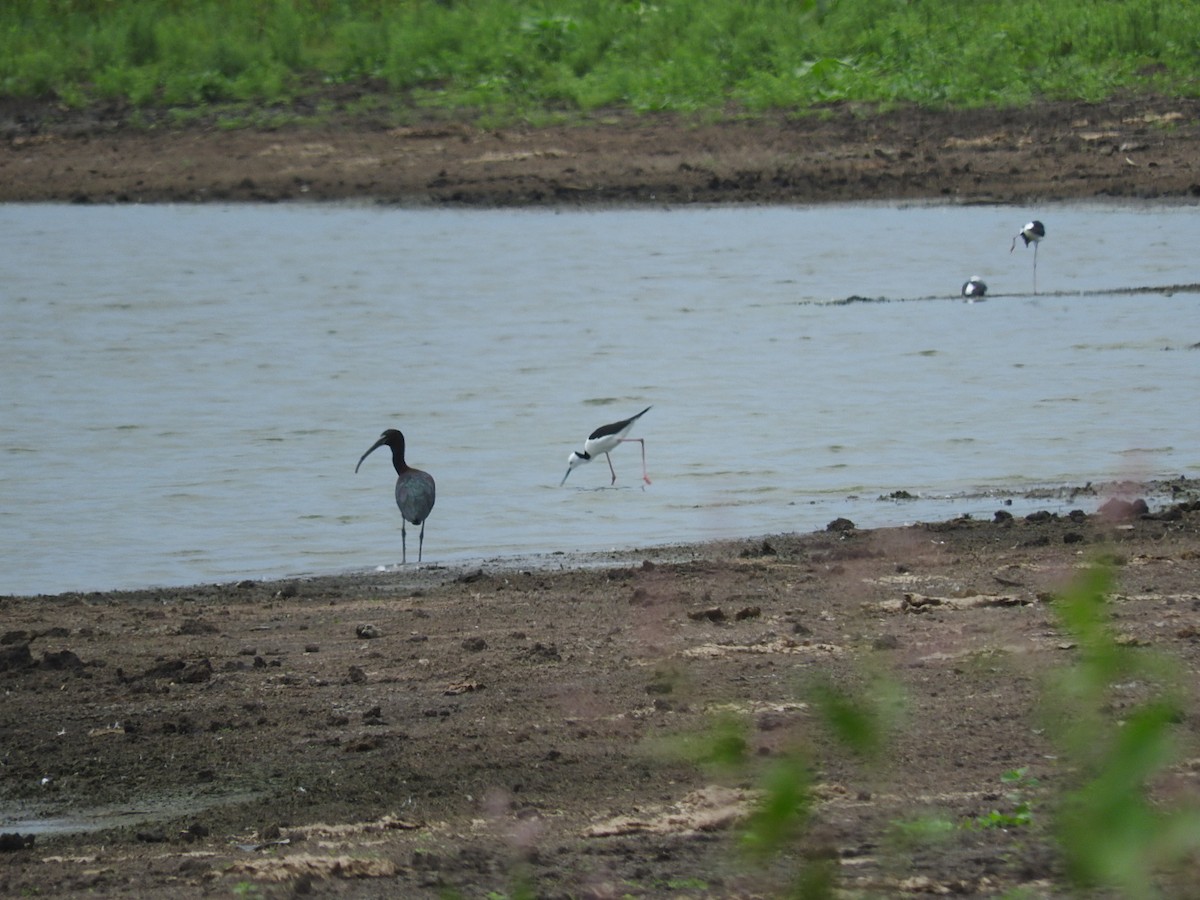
(974, 288)
(1032, 233)
(603, 440)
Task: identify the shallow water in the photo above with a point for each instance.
(23, 820)
(186, 390)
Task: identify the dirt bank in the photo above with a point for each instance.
(435, 732)
(1051, 151)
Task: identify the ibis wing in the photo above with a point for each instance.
(415, 495)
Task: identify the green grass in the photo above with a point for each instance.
(1020, 811)
(506, 58)
(1112, 832)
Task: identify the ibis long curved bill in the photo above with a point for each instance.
(379, 443)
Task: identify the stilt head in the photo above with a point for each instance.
(574, 461)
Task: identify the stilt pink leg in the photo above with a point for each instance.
(611, 469)
(645, 477)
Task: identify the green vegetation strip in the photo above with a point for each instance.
(510, 59)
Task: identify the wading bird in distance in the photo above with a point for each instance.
(1032, 233)
(604, 439)
(414, 490)
(974, 287)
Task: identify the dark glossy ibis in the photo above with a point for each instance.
(604, 439)
(414, 490)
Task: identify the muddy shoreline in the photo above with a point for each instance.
(1145, 148)
(424, 731)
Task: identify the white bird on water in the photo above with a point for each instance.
(1032, 233)
(974, 288)
(604, 439)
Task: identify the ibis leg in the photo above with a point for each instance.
(421, 542)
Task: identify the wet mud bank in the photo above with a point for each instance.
(430, 730)
(1132, 149)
